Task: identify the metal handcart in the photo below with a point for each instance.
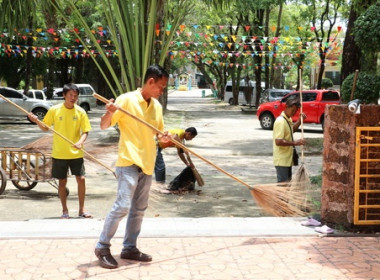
(25, 169)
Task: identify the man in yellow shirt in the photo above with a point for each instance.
(71, 121)
(180, 135)
(283, 141)
(135, 163)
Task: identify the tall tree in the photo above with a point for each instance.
(367, 36)
(351, 51)
(323, 15)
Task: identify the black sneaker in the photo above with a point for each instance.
(106, 260)
(135, 254)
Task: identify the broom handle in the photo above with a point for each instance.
(177, 143)
(301, 112)
(354, 84)
(56, 132)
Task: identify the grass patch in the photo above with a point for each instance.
(314, 145)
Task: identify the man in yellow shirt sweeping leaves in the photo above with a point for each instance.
(180, 135)
(71, 121)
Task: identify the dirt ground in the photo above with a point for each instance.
(227, 137)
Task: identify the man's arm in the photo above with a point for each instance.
(298, 122)
(105, 120)
(83, 138)
(283, 142)
(34, 119)
(186, 160)
(278, 134)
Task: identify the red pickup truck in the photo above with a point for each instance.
(314, 103)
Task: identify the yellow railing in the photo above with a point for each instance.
(367, 176)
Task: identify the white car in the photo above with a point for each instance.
(228, 96)
(35, 94)
(10, 111)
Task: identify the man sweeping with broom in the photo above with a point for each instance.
(283, 142)
(180, 135)
(135, 164)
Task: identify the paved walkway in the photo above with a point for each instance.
(188, 248)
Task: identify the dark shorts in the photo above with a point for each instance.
(284, 173)
(60, 167)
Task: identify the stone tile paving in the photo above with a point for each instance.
(200, 258)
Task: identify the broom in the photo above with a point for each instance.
(301, 181)
(198, 177)
(59, 134)
(277, 200)
(301, 172)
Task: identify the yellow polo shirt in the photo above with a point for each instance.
(282, 155)
(71, 123)
(179, 132)
(137, 141)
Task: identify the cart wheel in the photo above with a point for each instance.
(3, 180)
(24, 185)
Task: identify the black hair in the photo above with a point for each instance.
(192, 130)
(293, 102)
(69, 87)
(156, 72)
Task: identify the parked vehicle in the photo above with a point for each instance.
(36, 106)
(85, 100)
(228, 95)
(35, 94)
(273, 94)
(314, 103)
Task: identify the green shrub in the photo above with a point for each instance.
(367, 88)
(367, 29)
(326, 83)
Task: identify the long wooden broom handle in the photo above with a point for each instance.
(354, 84)
(177, 143)
(56, 132)
(301, 112)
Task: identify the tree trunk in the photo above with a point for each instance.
(29, 59)
(50, 77)
(321, 68)
(276, 76)
(266, 59)
(351, 52)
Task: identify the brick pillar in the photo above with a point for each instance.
(338, 172)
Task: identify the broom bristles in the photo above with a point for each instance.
(282, 199)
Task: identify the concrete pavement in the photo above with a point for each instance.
(203, 248)
(158, 227)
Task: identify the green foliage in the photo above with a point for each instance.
(367, 88)
(367, 29)
(11, 70)
(131, 25)
(16, 14)
(316, 180)
(326, 83)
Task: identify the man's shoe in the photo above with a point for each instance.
(135, 254)
(105, 258)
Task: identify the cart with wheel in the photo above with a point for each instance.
(25, 169)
